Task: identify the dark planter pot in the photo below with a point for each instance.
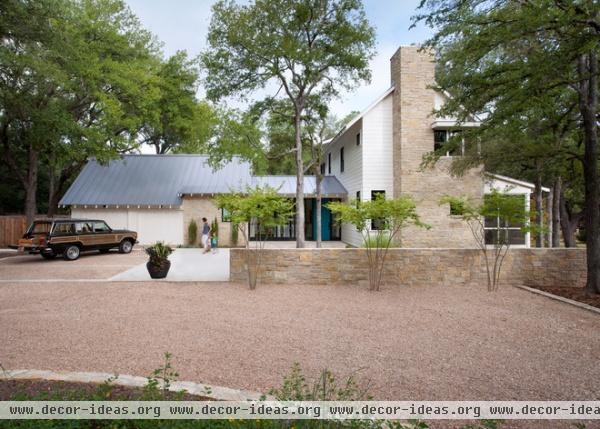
(159, 271)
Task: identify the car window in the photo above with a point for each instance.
(41, 228)
(83, 228)
(64, 229)
(101, 227)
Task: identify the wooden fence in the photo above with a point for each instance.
(11, 229)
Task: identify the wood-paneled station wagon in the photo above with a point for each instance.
(70, 237)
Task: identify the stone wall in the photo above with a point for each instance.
(198, 207)
(413, 103)
(415, 267)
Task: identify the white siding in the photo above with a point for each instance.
(151, 224)
(351, 178)
(378, 157)
(368, 167)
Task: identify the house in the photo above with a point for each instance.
(378, 152)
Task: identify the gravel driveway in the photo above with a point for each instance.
(410, 343)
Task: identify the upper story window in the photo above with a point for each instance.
(329, 163)
(441, 138)
(358, 139)
(322, 168)
(341, 160)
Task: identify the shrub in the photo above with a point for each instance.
(158, 252)
(192, 232)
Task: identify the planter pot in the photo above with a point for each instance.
(158, 271)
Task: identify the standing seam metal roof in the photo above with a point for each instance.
(157, 180)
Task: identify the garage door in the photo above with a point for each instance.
(151, 225)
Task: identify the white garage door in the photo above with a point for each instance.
(151, 225)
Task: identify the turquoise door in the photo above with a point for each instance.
(325, 220)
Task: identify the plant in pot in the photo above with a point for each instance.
(159, 264)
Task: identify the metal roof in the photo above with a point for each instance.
(286, 185)
(152, 180)
(161, 180)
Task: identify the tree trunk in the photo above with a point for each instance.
(31, 185)
(568, 222)
(52, 195)
(550, 217)
(556, 190)
(299, 180)
(539, 213)
(319, 203)
(588, 105)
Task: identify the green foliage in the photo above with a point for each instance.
(192, 232)
(263, 208)
(508, 210)
(391, 215)
(159, 382)
(326, 388)
(306, 48)
(158, 252)
(214, 228)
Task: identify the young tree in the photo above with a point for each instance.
(305, 47)
(260, 209)
(506, 210)
(391, 215)
(479, 46)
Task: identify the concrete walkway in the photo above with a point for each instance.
(187, 265)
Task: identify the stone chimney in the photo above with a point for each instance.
(412, 72)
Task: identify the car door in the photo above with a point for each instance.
(103, 235)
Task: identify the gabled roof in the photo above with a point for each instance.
(362, 114)
(162, 180)
(152, 180)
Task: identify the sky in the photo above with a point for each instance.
(183, 25)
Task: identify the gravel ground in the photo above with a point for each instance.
(90, 265)
(418, 343)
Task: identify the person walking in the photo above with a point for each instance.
(205, 235)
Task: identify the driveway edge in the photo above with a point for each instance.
(560, 298)
(215, 392)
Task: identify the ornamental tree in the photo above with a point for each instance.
(506, 210)
(380, 222)
(258, 209)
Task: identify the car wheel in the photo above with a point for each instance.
(125, 246)
(50, 255)
(72, 252)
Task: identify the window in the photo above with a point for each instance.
(40, 228)
(377, 224)
(341, 160)
(498, 230)
(357, 198)
(442, 137)
(358, 139)
(101, 227)
(83, 228)
(64, 229)
(323, 168)
(457, 208)
(329, 163)
(225, 215)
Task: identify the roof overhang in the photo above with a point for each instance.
(444, 124)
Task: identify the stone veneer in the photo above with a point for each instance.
(198, 207)
(415, 267)
(413, 103)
